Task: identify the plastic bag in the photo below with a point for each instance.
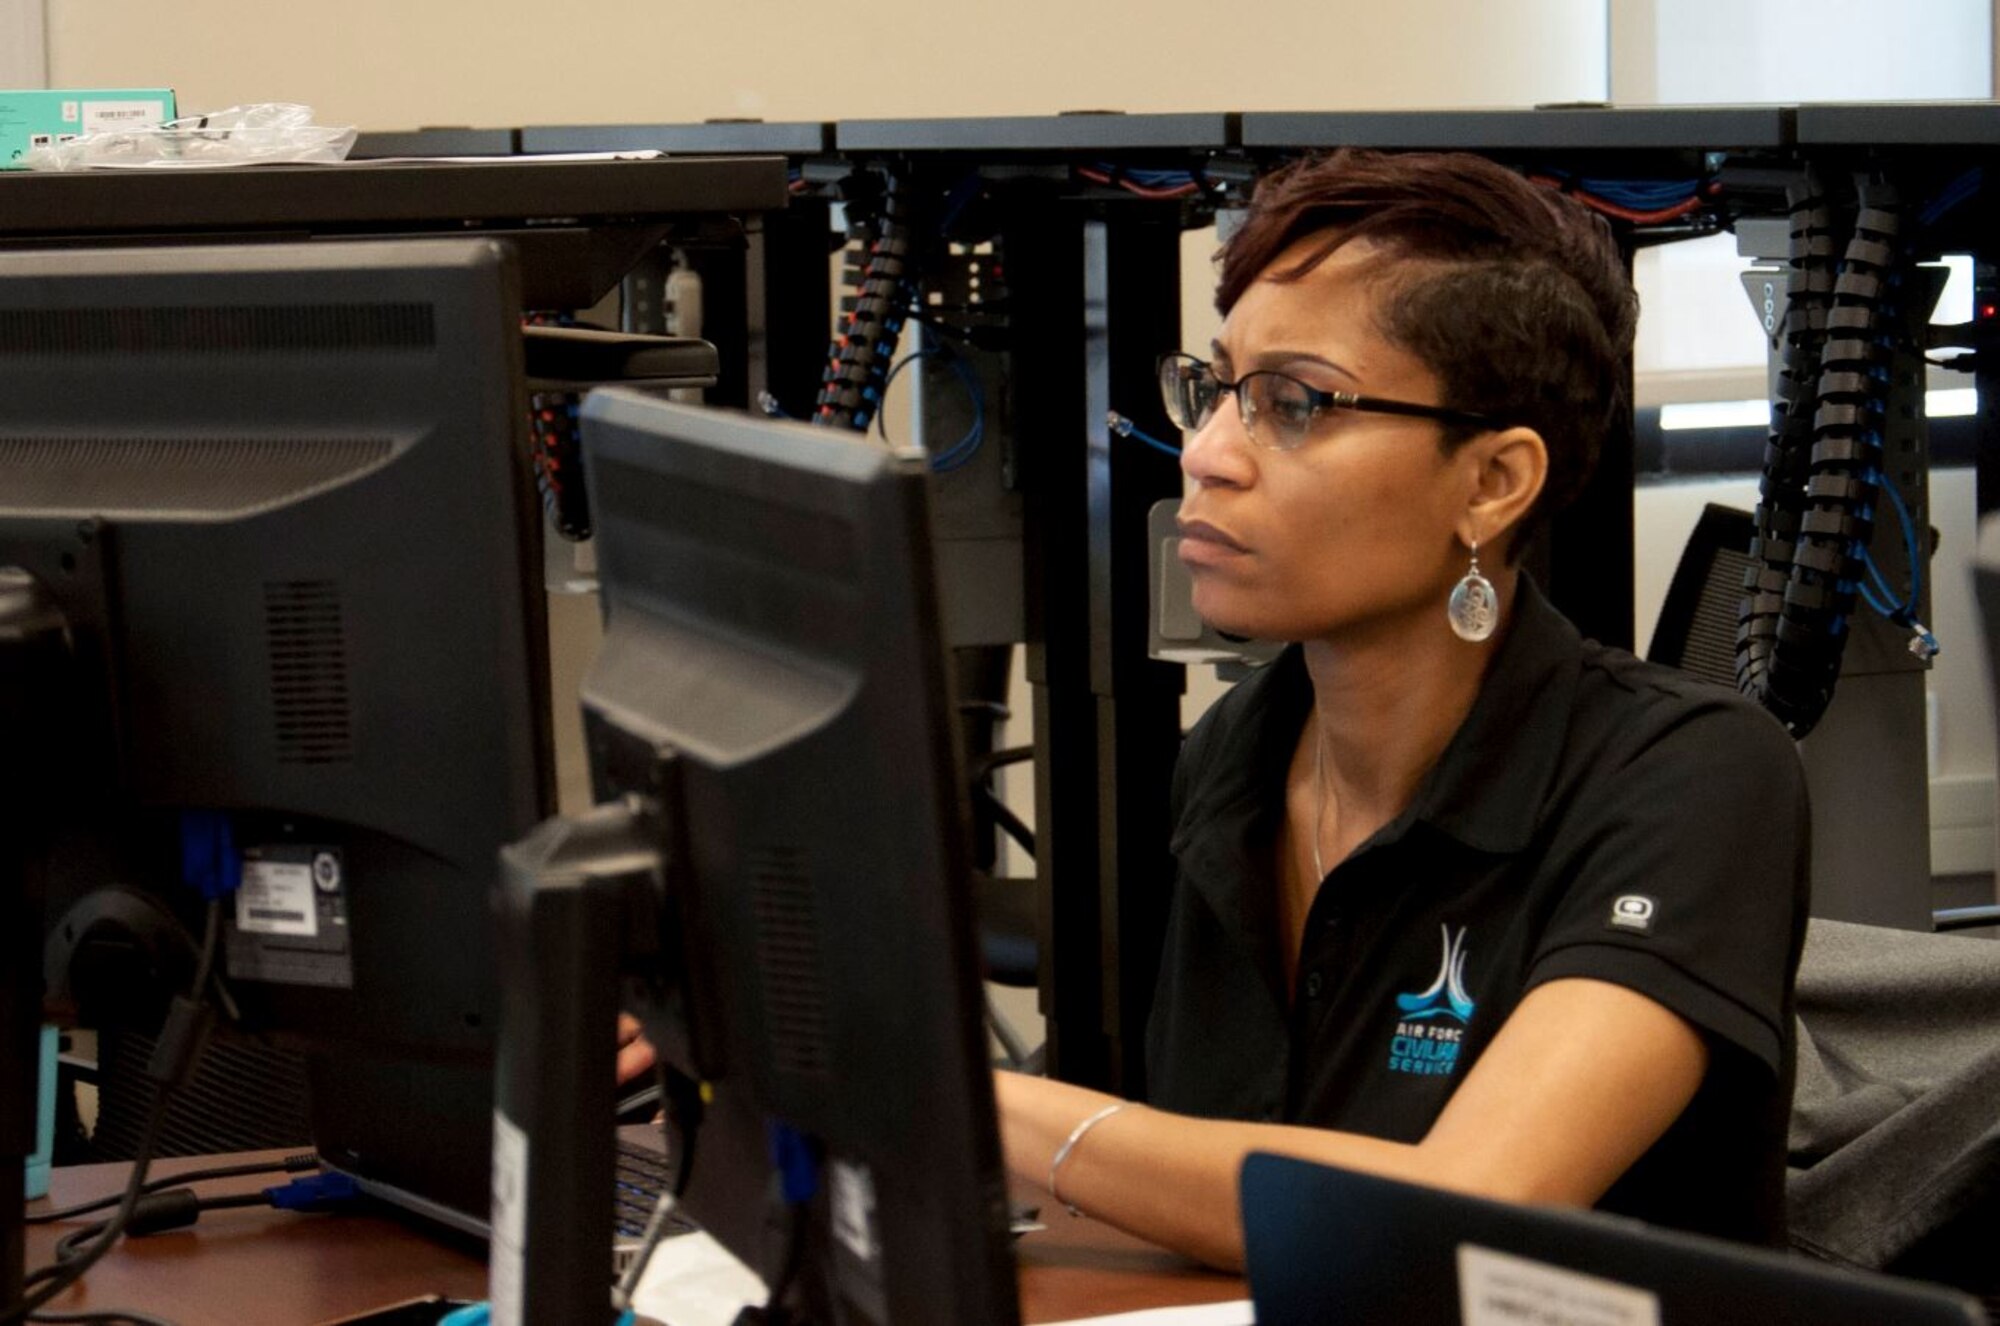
(262, 134)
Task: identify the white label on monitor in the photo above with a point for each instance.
(99, 116)
(509, 1221)
(277, 899)
(1500, 1289)
(854, 1209)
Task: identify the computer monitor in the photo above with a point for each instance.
(279, 497)
(777, 875)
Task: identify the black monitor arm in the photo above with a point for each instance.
(582, 900)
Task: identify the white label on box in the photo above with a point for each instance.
(1499, 1289)
(100, 116)
(277, 899)
(508, 1218)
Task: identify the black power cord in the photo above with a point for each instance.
(289, 1165)
(174, 1056)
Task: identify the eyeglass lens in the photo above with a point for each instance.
(1273, 404)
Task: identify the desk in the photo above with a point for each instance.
(280, 1269)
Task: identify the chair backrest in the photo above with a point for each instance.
(1697, 627)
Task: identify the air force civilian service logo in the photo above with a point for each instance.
(1430, 1026)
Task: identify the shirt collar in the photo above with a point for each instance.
(1487, 790)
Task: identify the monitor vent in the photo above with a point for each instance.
(242, 1095)
(213, 476)
(1710, 651)
(58, 333)
(307, 644)
(788, 961)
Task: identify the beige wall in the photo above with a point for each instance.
(396, 65)
(21, 45)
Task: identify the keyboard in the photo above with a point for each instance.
(642, 1173)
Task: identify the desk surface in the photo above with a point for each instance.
(280, 1269)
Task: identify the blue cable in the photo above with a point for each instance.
(1123, 427)
(1900, 610)
(1638, 195)
(1960, 189)
(1147, 179)
(963, 450)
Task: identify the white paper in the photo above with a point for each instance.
(1500, 1289)
(692, 1280)
(1235, 1313)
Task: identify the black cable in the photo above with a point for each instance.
(295, 1164)
(684, 1112)
(47, 1282)
(788, 1270)
(179, 1046)
(178, 1209)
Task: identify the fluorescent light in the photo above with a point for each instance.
(1951, 402)
(1943, 403)
(1715, 414)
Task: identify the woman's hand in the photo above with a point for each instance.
(635, 1052)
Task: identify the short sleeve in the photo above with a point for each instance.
(1687, 874)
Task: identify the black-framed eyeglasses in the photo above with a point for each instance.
(1279, 411)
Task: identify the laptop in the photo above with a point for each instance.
(1327, 1247)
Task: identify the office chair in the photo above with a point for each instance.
(1009, 916)
(1696, 631)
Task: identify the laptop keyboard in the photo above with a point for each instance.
(642, 1174)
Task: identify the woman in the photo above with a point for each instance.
(1461, 898)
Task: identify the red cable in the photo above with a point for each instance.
(1140, 190)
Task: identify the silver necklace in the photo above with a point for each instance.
(1319, 798)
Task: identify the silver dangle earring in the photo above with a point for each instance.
(1474, 609)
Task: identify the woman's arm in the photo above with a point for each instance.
(1579, 1082)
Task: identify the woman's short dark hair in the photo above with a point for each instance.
(1514, 295)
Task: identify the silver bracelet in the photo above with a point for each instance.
(1069, 1145)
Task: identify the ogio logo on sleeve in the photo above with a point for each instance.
(1634, 912)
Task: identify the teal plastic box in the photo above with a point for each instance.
(29, 119)
(45, 1117)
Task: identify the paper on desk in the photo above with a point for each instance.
(1238, 1313)
(694, 1281)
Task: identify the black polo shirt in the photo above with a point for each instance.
(1595, 816)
